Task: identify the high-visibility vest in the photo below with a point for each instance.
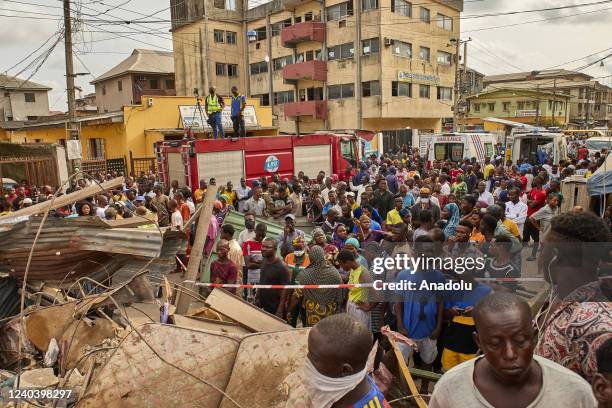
(212, 101)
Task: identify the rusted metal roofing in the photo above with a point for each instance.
(73, 247)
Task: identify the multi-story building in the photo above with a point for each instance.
(145, 72)
(22, 100)
(517, 104)
(590, 102)
(383, 65)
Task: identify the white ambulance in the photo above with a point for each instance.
(458, 146)
(538, 145)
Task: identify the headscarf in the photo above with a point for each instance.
(320, 272)
(336, 240)
(453, 221)
(353, 241)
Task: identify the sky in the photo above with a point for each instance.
(565, 35)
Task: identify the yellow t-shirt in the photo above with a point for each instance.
(198, 194)
(393, 217)
(357, 294)
(511, 225)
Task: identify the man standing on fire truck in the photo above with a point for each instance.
(214, 105)
(238, 105)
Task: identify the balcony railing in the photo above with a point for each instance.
(311, 70)
(316, 109)
(306, 31)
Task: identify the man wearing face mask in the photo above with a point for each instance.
(425, 202)
(335, 372)
(296, 262)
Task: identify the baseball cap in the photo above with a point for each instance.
(140, 198)
(290, 216)
(27, 200)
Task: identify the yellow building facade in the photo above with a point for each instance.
(130, 132)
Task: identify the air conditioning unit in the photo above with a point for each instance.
(341, 23)
(388, 42)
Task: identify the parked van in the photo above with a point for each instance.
(458, 146)
(537, 146)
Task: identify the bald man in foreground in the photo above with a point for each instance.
(335, 372)
(508, 375)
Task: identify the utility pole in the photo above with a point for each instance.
(357, 49)
(456, 101)
(73, 126)
(464, 77)
(554, 103)
(538, 107)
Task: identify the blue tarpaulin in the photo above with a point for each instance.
(601, 181)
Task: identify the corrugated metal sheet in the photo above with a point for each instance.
(236, 219)
(9, 298)
(71, 248)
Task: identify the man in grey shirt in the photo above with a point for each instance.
(508, 375)
(541, 218)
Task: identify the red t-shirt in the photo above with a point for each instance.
(583, 152)
(224, 273)
(539, 196)
(454, 173)
(524, 183)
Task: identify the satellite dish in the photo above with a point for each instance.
(267, 59)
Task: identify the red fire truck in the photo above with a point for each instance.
(189, 161)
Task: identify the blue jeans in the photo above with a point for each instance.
(217, 125)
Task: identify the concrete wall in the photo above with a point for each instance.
(113, 99)
(15, 106)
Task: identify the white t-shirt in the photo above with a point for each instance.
(100, 212)
(560, 388)
(445, 189)
(487, 197)
(177, 220)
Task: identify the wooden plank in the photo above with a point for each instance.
(244, 312)
(425, 374)
(400, 359)
(210, 325)
(64, 200)
(197, 250)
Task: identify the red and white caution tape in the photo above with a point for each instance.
(258, 286)
(341, 286)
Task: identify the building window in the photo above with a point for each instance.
(259, 68)
(283, 97)
(340, 11)
(232, 70)
(32, 117)
(401, 7)
(264, 99)
(225, 4)
(308, 16)
(445, 93)
(261, 33)
(520, 105)
(402, 49)
(581, 93)
(279, 63)
(476, 107)
(491, 106)
(342, 51)
(169, 83)
(401, 89)
(96, 148)
(30, 97)
(230, 37)
(297, 20)
(424, 54)
(313, 55)
(314, 94)
(120, 85)
(444, 58)
(580, 107)
(276, 28)
(219, 36)
(103, 89)
(425, 15)
(506, 106)
(370, 88)
(369, 5)
(445, 22)
(424, 91)
(220, 69)
(370, 46)
(597, 108)
(154, 84)
(341, 91)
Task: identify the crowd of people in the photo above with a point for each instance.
(398, 205)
